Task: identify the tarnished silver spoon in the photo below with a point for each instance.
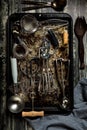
(16, 102)
(57, 5)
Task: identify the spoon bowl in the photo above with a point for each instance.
(58, 5)
(15, 104)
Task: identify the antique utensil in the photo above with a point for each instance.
(15, 102)
(32, 113)
(80, 30)
(65, 99)
(35, 64)
(49, 77)
(44, 49)
(61, 80)
(57, 5)
(29, 24)
(20, 50)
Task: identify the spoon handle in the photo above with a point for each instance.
(34, 3)
(34, 7)
(81, 52)
(14, 70)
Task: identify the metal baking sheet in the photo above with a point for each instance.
(48, 94)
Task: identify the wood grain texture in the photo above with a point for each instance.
(7, 7)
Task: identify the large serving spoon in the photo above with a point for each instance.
(57, 5)
(16, 102)
(80, 29)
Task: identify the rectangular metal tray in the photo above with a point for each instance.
(45, 102)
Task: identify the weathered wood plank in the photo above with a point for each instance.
(3, 8)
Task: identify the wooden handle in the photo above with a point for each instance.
(65, 37)
(81, 53)
(32, 113)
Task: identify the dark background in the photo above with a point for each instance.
(8, 7)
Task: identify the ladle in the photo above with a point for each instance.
(57, 5)
(29, 24)
(15, 102)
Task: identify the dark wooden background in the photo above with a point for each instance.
(7, 7)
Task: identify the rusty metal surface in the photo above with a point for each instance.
(74, 8)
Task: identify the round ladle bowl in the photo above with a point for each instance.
(15, 104)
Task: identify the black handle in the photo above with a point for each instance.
(53, 39)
